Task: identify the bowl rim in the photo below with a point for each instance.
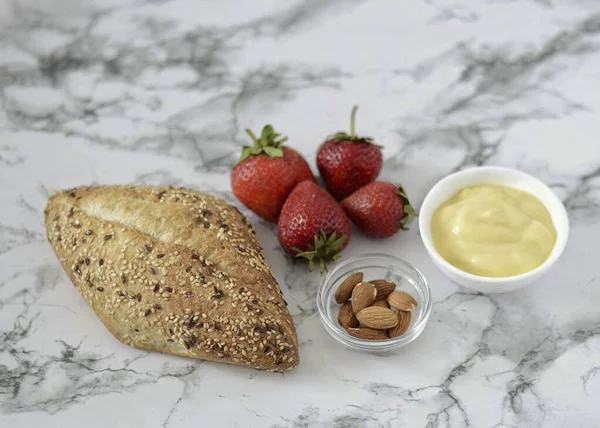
(561, 236)
(387, 344)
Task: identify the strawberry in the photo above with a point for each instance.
(267, 172)
(379, 209)
(348, 162)
(312, 225)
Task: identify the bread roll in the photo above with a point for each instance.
(173, 270)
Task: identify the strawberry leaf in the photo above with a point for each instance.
(408, 208)
(275, 152)
(252, 136)
(267, 134)
(326, 249)
(246, 152)
(270, 143)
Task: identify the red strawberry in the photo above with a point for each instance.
(379, 209)
(313, 225)
(267, 172)
(348, 162)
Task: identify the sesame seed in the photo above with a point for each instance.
(168, 289)
(160, 256)
(100, 289)
(107, 237)
(152, 271)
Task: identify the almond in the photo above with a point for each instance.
(344, 291)
(402, 301)
(367, 333)
(402, 326)
(376, 317)
(362, 296)
(381, 304)
(384, 288)
(346, 317)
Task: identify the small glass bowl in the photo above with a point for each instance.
(375, 266)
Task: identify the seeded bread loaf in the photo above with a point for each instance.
(173, 270)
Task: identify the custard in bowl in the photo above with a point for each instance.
(493, 229)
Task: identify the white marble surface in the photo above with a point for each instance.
(120, 91)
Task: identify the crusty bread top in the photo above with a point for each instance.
(173, 270)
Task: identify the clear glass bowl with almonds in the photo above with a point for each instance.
(374, 302)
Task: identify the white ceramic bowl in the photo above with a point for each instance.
(451, 184)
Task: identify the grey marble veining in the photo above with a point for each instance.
(106, 91)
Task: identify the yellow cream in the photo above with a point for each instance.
(493, 231)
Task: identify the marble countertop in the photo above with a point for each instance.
(121, 91)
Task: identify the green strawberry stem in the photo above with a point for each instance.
(344, 136)
(269, 143)
(353, 121)
(326, 249)
(408, 208)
